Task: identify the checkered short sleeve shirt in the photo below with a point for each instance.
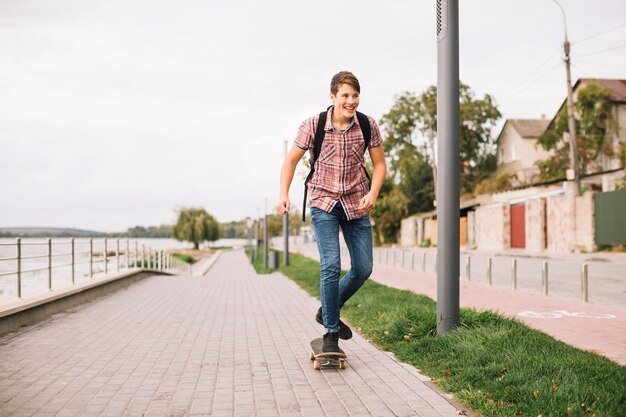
(339, 173)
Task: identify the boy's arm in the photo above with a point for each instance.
(377, 155)
(286, 176)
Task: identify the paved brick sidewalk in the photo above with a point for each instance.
(229, 343)
(592, 327)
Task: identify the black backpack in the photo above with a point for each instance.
(317, 146)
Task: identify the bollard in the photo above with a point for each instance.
(49, 264)
(514, 274)
(19, 267)
(73, 259)
(544, 277)
(489, 270)
(584, 282)
(468, 268)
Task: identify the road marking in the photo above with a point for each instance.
(557, 314)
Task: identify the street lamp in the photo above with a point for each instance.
(571, 121)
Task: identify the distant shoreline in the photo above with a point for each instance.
(165, 232)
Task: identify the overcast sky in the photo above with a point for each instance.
(115, 113)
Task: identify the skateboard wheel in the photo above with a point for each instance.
(342, 364)
(317, 365)
(311, 355)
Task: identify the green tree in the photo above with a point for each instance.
(593, 119)
(410, 130)
(196, 225)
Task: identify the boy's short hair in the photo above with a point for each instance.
(344, 77)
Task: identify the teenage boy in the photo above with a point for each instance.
(339, 197)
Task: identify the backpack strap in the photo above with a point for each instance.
(367, 136)
(320, 132)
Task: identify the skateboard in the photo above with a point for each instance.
(328, 359)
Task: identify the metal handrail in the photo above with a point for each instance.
(98, 260)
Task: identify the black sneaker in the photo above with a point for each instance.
(331, 343)
(345, 332)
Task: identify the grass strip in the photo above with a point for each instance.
(497, 366)
(185, 258)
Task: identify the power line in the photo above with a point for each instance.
(599, 33)
(513, 90)
(514, 93)
(602, 50)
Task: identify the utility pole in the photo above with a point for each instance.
(448, 170)
(286, 227)
(571, 121)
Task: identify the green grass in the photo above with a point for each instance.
(495, 365)
(185, 258)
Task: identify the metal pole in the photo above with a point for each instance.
(286, 227)
(106, 256)
(50, 264)
(544, 277)
(117, 254)
(468, 268)
(90, 257)
(19, 267)
(448, 125)
(265, 241)
(514, 273)
(571, 121)
(489, 270)
(584, 282)
(73, 259)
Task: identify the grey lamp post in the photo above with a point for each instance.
(448, 128)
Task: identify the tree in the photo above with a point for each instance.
(196, 225)
(410, 129)
(593, 120)
(413, 120)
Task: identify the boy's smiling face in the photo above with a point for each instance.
(346, 101)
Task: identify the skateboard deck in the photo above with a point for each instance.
(326, 359)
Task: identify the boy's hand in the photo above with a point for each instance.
(283, 206)
(367, 203)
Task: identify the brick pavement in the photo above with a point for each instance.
(231, 343)
(596, 328)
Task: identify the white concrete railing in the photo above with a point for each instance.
(85, 256)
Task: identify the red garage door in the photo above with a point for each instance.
(518, 226)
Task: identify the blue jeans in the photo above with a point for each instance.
(358, 236)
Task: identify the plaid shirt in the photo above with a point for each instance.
(339, 173)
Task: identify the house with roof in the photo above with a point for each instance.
(616, 133)
(518, 150)
(543, 216)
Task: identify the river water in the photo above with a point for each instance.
(34, 257)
